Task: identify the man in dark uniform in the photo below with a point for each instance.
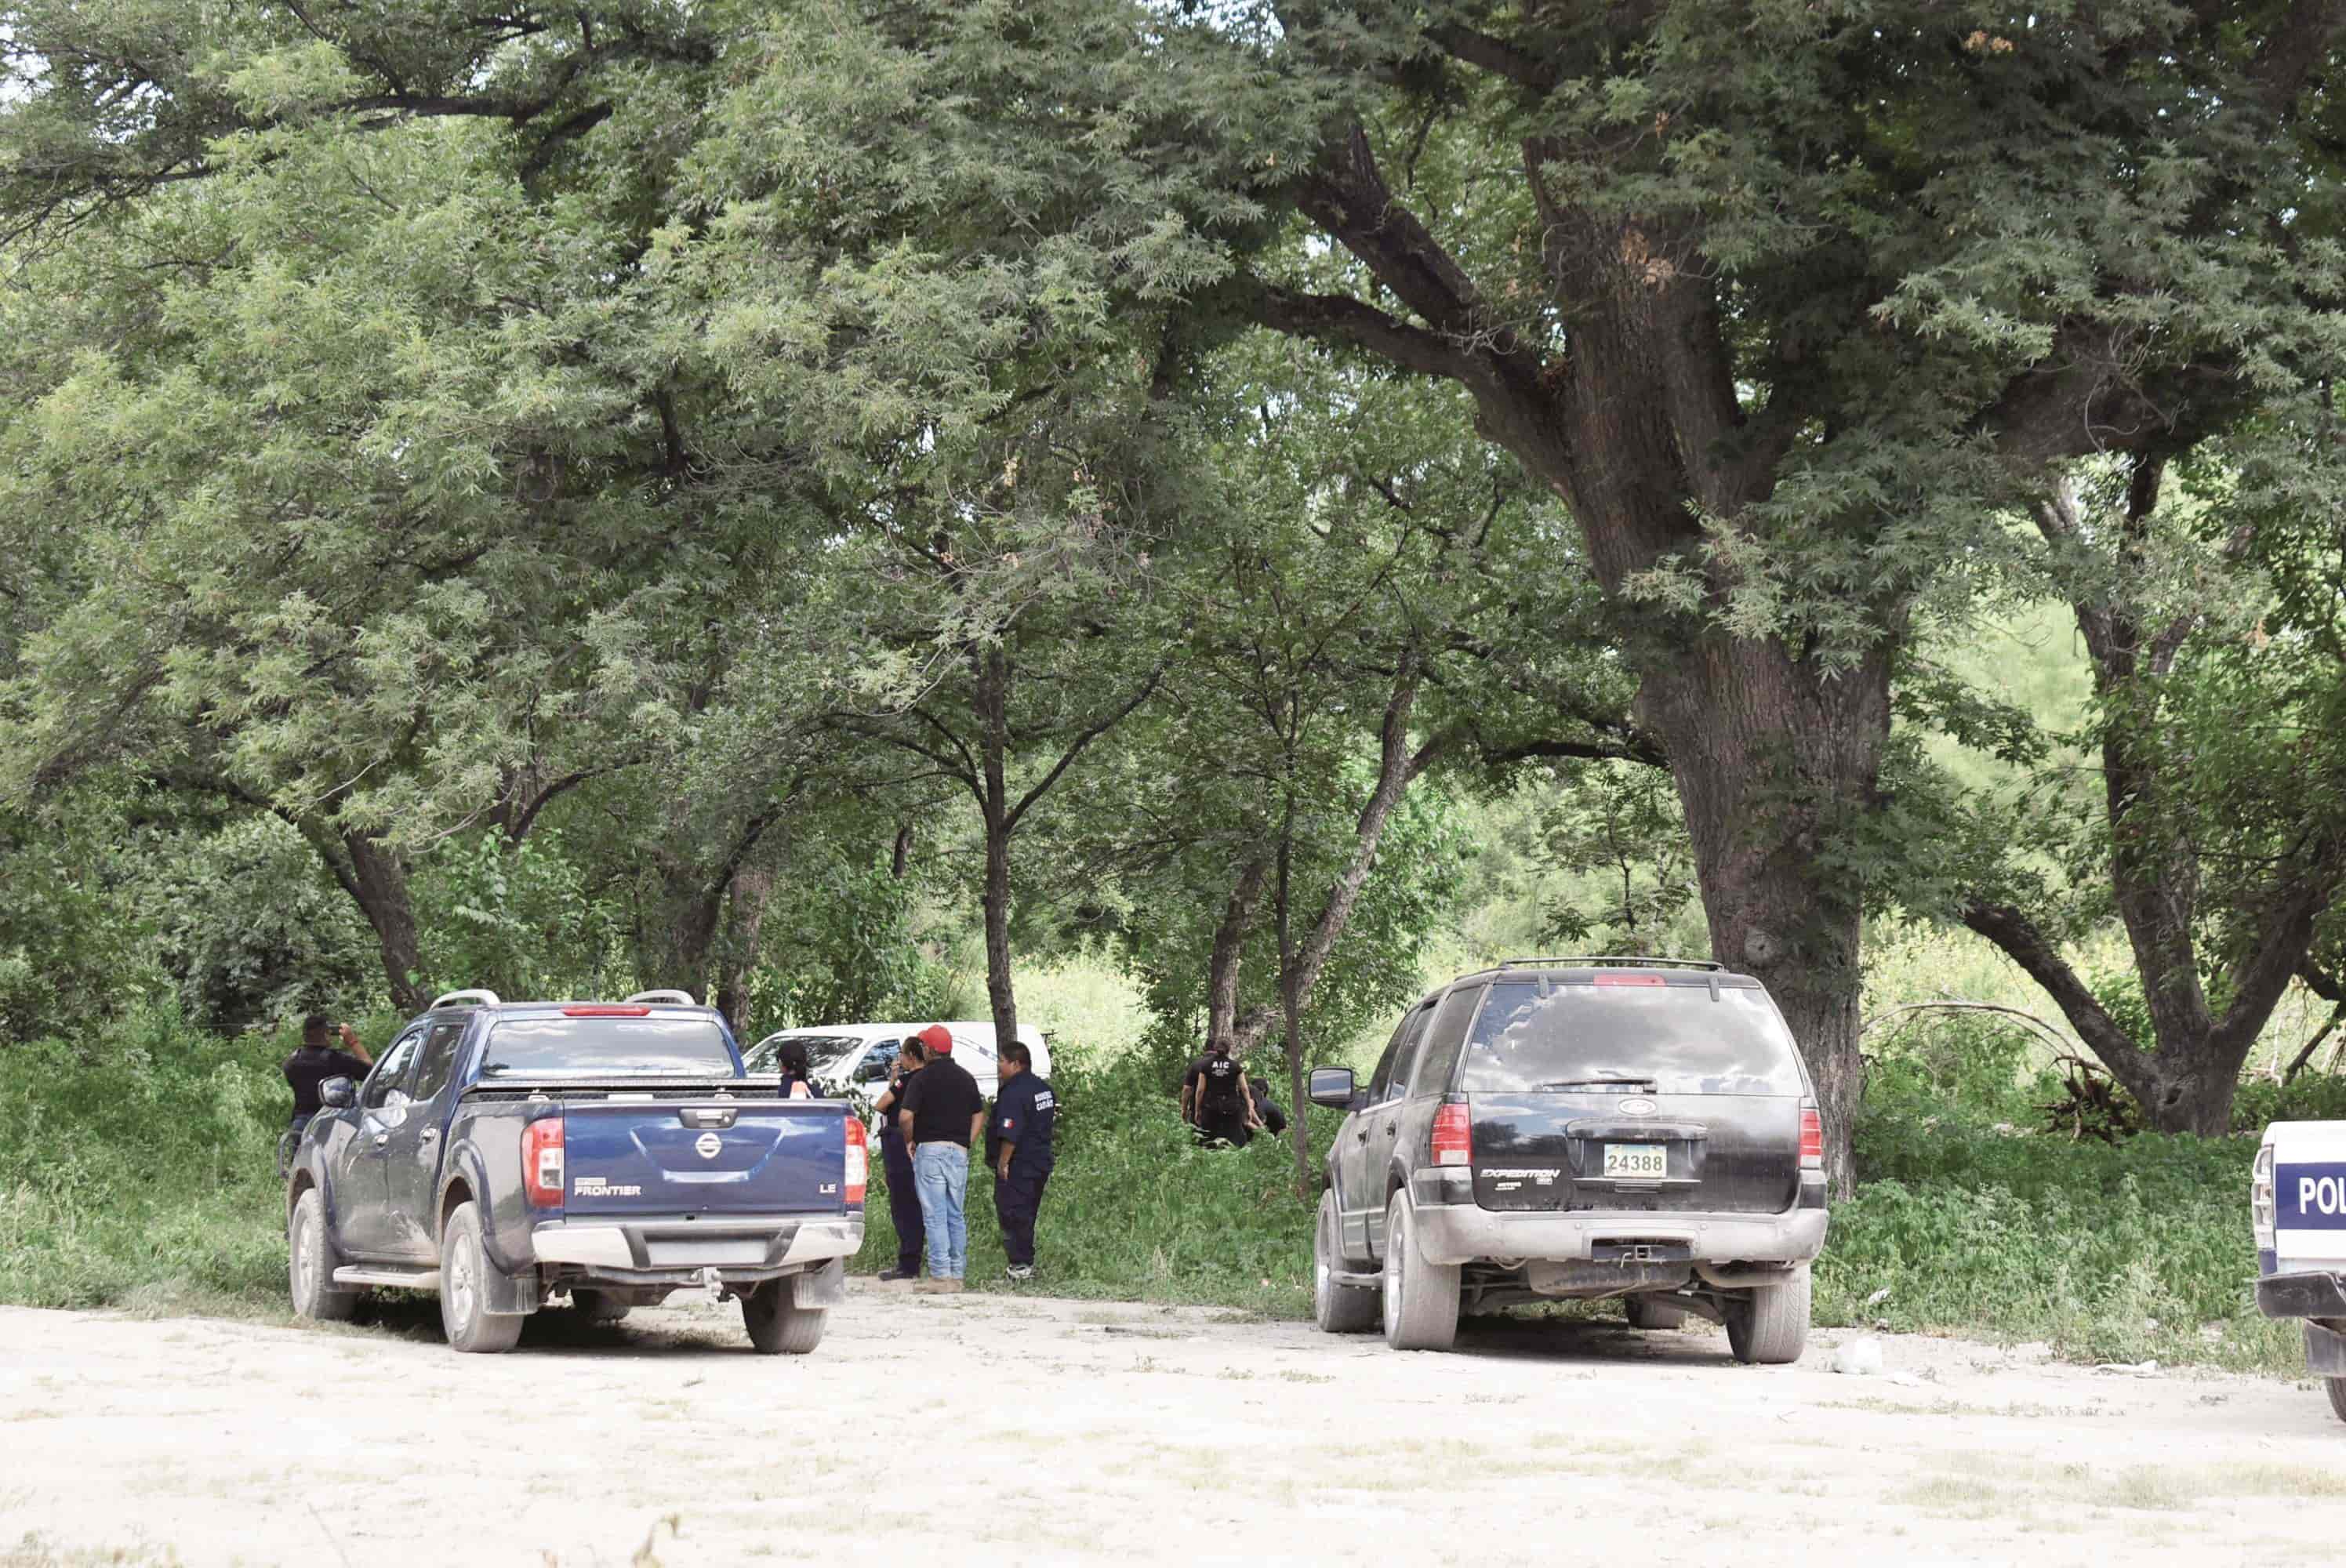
(903, 1197)
(1018, 1152)
(317, 1061)
(1214, 1098)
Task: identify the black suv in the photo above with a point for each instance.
(1577, 1127)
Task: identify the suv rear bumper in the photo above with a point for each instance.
(1468, 1233)
(743, 1249)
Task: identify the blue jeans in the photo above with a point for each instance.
(940, 1171)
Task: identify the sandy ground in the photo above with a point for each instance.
(1031, 1429)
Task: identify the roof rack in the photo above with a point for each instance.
(678, 998)
(1605, 961)
(464, 999)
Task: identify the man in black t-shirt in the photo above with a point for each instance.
(941, 1114)
(1214, 1098)
(317, 1061)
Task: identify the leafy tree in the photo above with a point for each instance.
(1618, 825)
(2218, 837)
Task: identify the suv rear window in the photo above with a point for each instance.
(524, 1046)
(1673, 1036)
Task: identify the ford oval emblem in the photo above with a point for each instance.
(1638, 1107)
(707, 1144)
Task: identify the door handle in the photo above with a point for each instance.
(429, 1135)
(1392, 1127)
(381, 1139)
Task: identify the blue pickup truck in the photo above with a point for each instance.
(506, 1153)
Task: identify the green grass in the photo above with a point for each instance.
(2127, 1254)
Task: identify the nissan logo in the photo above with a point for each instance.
(1638, 1107)
(707, 1144)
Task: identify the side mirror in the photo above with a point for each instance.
(1331, 1088)
(338, 1093)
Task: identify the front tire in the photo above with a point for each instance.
(1421, 1298)
(1652, 1312)
(1337, 1308)
(465, 1272)
(778, 1325)
(1769, 1327)
(2337, 1395)
(311, 1264)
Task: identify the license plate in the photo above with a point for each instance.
(1637, 1161)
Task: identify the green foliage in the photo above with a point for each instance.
(514, 918)
(1618, 826)
(843, 946)
(1964, 1067)
(139, 1169)
(2104, 1254)
(254, 933)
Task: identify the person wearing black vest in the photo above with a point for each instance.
(896, 1158)
(1214, 1098)
(1018, 1152)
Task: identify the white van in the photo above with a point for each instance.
(851, 1061)
(2297, 1204)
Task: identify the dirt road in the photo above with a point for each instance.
(1039, 1430)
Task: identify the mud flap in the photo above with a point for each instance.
(2325, 1351)
(821, 1288)
(505, 1295)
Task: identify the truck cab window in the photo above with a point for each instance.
(389, 1075)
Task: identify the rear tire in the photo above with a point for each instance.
(310, 1266)
(597, 1306)
(1769, 1327)
(465, 1274)
(1653, 1312)
(2337, 1395)
(1337, 1309)
(1421, 1298)
(778, 1325)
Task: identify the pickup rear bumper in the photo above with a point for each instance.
(745, 1249)
(1466, 1233)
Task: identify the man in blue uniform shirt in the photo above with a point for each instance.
(1018, 1152)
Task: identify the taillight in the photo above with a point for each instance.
(858, 1159)
(1813, 1139)
(2261, 1197)
(1453, 1137)
(541, 1162)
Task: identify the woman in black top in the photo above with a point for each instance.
(798, 1080)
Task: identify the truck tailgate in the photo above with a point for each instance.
(704, 1156)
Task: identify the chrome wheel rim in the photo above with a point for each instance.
(460, 1281)
(1395, 1237)
(302, 1268)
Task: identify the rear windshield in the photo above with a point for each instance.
(1672, 1039)
(528, 1046)
(822, 1050)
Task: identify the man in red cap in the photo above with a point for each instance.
(941, 1114)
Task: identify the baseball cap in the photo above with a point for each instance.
(937, 1038)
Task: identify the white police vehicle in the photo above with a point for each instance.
(2297, 1201)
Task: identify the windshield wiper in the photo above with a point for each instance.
(1602, 1082)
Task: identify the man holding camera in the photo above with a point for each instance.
(318, 1060)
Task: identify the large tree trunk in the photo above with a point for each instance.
(676, 949)
(745, 920)
(1222, 965)
(1770, 754)
(379, 882)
